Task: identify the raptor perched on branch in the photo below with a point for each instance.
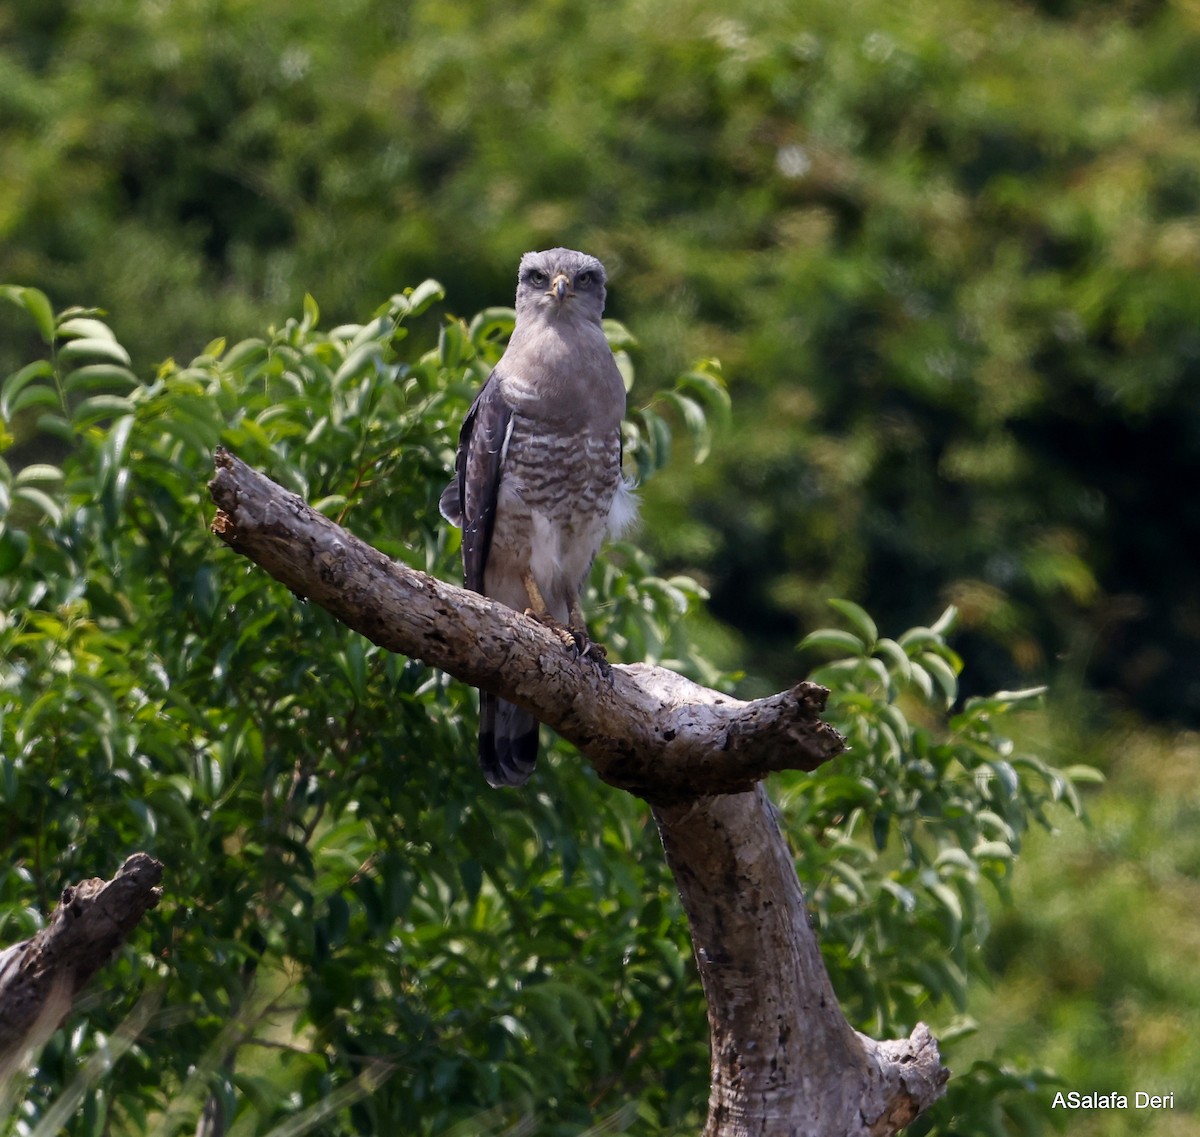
(538, 482)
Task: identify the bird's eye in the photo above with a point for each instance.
(537, 278)
(584, 279)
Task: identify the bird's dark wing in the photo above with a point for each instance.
(508, 736)
(470, 499)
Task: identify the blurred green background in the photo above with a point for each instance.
(947, 253)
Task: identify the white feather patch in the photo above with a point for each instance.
(508, 433)
(623, 513)
(545, 550)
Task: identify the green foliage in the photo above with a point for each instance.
(344, 898)
(355, 932)
(896, 839)
(946, 252)
(1093, 956)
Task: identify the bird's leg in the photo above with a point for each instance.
(537, 602)
(575, 634)
(540, 611)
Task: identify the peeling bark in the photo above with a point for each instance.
(784, 1059)
(40, 977)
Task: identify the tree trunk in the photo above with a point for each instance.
(784, 1059)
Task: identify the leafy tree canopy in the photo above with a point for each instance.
(946, 251)
(357, 936)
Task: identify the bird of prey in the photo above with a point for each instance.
(538, 482)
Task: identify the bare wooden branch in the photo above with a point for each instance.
(644, 729)
(40, 977)
(784, 1058)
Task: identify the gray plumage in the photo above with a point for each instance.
(538, 481)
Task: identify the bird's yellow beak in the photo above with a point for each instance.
(560, 286)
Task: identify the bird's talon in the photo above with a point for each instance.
(588, 648)
(601, 662)
(596, 651)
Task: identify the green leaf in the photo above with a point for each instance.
(52, 423)
(312, 313)
(695, 421)
(453, 348)
(427, 293)
(658, 439)
(942, 674)
(989, 820)
(899, 725)
(1085, 774)
(625, 367)
(996, 850)
(921, 680)
(953, 855)
(491, 326)
(707, 382)
(85, 327)
(471, 874)
(100, 407)
(619, 337)
(1007, 777)
(894, 656)
(38, 472)
(833, 639)
(113, 449)
(44, 503)
(94, 347)
(919, 639)
(837, 673)
(850, 877)
(945, 623)
(905, 896)
(863, 625)
(1027, 697)
(240, 357)
(37, 304)
(34, 396)
(15, 383)
(949, 900)
(193, 431)
(13, 545)
(365, 357)
(96, 376)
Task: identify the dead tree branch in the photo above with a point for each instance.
(40, 977)
(644, 729)
(784, 1058)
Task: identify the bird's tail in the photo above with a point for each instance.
(508, 741)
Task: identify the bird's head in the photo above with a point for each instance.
(561, 283)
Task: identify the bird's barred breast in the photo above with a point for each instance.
(567, 477)
(556, 492)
